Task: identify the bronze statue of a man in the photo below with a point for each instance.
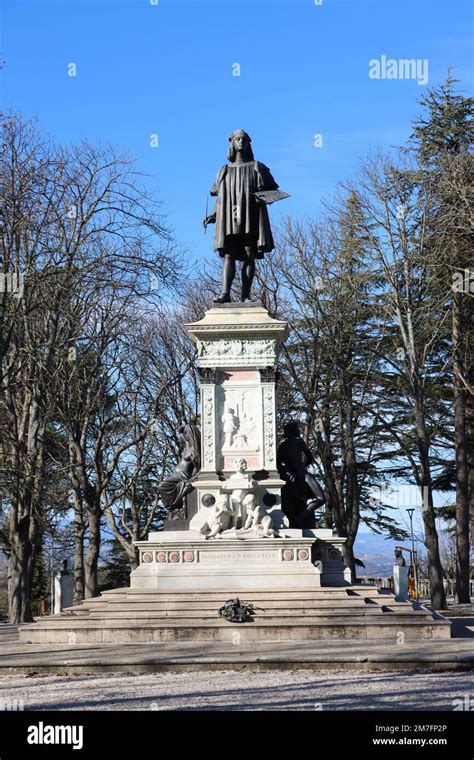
(301, 495)
(242, 231)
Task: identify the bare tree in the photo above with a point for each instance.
(75, 222)
(158, 375)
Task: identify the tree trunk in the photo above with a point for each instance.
(92, 559)
(352, 510)
(26, 460)
(460, 447)
(79, 533)
(134, 560)
(349, 560)
(19, 570)
(470, 448)
(435, 570)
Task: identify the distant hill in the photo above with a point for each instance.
(377, 554)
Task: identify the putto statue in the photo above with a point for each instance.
(301, 495)
(174, 488)
(243, 481)
(258, 521)
(221, 519)
(243, 188)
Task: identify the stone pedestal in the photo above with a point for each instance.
(328, 555)
(237, 356)
(400, 582)
(188, 561)
(237, 350)
(63, 592)
(237, 362)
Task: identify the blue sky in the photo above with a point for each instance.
(167, 69)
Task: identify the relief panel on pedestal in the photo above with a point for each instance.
(208, 428)
(238, 426)
(269, 426)
(236, 352)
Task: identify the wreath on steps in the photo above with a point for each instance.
(236, 611)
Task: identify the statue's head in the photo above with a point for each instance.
(249, 501)
(191, 438)
(240, 465)
(240, 141)
(292, 430)
(222, 500)
(399, 558)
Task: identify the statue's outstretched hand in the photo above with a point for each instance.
(211, 219)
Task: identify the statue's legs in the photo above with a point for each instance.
(228, 274)
(315, 488)
(294, 502)
(306, 497)
(248, 271)
(215, 529)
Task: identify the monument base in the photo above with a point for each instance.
(179, 560)
(185, 560)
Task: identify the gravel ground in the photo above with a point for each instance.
(230, 690)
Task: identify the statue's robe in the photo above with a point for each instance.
(174, 488)
(179, 483)
(240, 220)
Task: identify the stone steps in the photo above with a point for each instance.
(66, 623)
(348, 602)
(246, 595)
(204, 631)
(199, 596)
(262, 605)
(315, 590)
(141, 615)
(261, 608)
(259, 614)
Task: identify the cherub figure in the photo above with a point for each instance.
(221, 519)
(240, 466)
(238, 494)
(257, 520)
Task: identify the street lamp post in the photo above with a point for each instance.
(413, 553)
(51, 570)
